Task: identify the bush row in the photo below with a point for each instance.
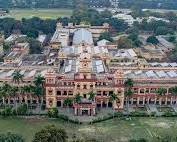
(53, 113)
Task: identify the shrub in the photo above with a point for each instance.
(138, 114)
(169, 114)
(138, 140)
(7, 111)
(152, 114)
(22, 110)
(53, 113)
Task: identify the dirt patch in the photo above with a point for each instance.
(162, 125)
(165, 125)
(34, 120)
(87, 130)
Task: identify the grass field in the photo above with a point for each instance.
(42, 13)
(111, 130)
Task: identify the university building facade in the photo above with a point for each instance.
(84, 67)
(89, 68)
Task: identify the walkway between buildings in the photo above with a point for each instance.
(153, 108)
(174, 107)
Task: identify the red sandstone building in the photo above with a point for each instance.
(88, 68)
(85, 67)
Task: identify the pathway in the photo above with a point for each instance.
(153, 108)
(70, 113)
(174, 107)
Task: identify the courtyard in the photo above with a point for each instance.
(115, 130)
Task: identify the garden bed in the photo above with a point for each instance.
(165, 109)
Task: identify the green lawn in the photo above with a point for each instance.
(42, 13)
(110, 130)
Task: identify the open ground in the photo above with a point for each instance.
(42, 13)
(116, 130)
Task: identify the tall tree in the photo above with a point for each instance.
(161, 92)
(106, 35)
(92, 96)
(39, 90)
(13, 93)
(128, 91)
(173, 91)
(113, 98)
(17, 77)
(77, 98)
(5, 92)
(152, 40)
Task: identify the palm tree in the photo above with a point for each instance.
(1, 96)
(25, 90)
(113, 98)
(92, 96)
(77, 98)
(13, 92)
(129, 83)
(39, 80)
(68, 102)
(5, 91)
(128, 91)
(39, 92)
(128, 94)
(161, 92)
(173, 90)
(17, 77)
(39, 88)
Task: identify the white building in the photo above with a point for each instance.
(150, 18)
(127, 18)
(60, 37)
(42, 38)
(13, 37)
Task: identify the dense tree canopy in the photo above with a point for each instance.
(106, 36)
(152, 40)
(32, 27)
(157, 27)
(9, 137)
(50, 134)
(124, 43)
(163, 4)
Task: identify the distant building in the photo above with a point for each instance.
(151, 53)
(150, 18)
(60, 37)
(82, 36)
(122, 57)
(165, 45)
(1, 50)
(66, 35)
(13, 37)
(42, 38)
(127, 18)
(3, 13)
(107, 44)
(18, 51)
